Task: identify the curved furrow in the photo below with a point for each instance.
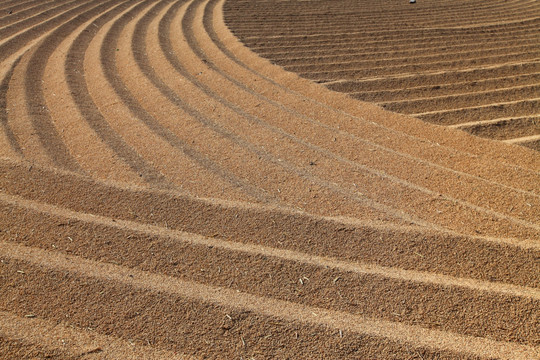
(203, 43)
(294, 185)
(109, 291)
(215, 262)
(41, 15)
(107, 131)
(392, 34)
(407, 149)
(363, 242)
(80, 139)
(42, 134)
(17, 42)
(14, 5)
(18, 121)
(165, 192)
(36, 105)
(286, 137)
(419, 134)
(22, 47)
(209, 177)
(24, 10)
(9, 147)
(364, 186)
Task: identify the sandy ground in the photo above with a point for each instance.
(471, 65)
(166, 192)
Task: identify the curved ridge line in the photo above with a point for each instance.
(241, 142)
(4, 85)
(366, 201)
(168, 136)
(11, 30)
(218, 8)
(424, 277)
(382, 174)
(95, 118)
(35, 102)
(409, 334)
(36, 32)
(364, 168)
(237, 204)
(368, 142)
(93, 155)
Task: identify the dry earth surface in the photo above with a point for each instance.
(167, 193)
(473, 65)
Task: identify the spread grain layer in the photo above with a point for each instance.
(167, 193)
(473, 65)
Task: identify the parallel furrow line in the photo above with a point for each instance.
(9, 146)
(212, 118)
(334, 158)
(359, 241)
(42, 15)
(107, 58)
(254, 269)
(320, 105)
(75, 343)
(75, 77)
(415, 336)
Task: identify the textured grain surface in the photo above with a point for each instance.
(470, 64)
(165, 192)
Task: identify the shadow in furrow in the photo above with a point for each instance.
(75, 77)
(4, 109)
(111, 73)
(42, 15)
(20, 40)
(35, 100)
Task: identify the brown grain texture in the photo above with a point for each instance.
(168, 193)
